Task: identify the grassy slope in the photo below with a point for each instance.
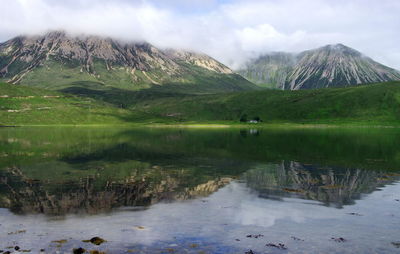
(193, 79)
(25, 105)
(371, 104)
(377, 104)
(120, 88)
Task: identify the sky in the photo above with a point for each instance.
(231, 31)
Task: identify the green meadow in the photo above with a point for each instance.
(375, 104)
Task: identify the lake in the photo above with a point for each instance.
(228, 190)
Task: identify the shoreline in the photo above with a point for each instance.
(217, 125)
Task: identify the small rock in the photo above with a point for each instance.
(254, 236)
(355, 214)
(297, 239)
(96, 252)
(16, 248)
(249, 252)
(95, 240)
(79, 251)
(339, 240)
(280, 246)
(396, 244)
(62, 241)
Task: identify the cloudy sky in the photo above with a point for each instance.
(231, 31)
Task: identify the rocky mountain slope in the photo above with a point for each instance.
(57, 59)
(328, 66)
(269, 70)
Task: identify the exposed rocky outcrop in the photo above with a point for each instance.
(200, 60)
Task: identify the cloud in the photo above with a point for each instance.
(231, 31)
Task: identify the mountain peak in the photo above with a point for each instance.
(327, 66)
(339, 49)
(55, 33)
(337, 46)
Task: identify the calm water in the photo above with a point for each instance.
(200, 191)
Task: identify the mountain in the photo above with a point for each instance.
(269, 70)
(328, 66)
(56, 60)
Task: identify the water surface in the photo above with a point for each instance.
(200, 191)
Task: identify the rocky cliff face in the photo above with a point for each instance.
(58, 56)
(329, 66)
(200, 60)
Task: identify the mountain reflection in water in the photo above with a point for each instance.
(93, 194)
(80, 170)
(150, 189)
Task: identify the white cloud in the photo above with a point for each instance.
(229, 30)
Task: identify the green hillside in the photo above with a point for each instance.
(377, 104)
(24, 105)
(193, 79)
(372, 104)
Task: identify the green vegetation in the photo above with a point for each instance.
(376, 104)
(21, 105)
(194, 79)
(92, 103)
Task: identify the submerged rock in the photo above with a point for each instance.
(62, 241)
(355, 214)
(280, 246)
(339, 239)
(79, 251)
(95, 240)
(254, 236)
(297, 239)
(396, 244)
(96, 252)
